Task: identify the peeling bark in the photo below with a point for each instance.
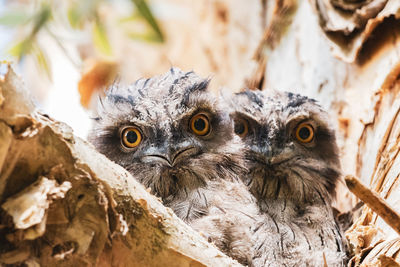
(349, 24)
(358, 81)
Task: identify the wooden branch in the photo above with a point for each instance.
(374, 201)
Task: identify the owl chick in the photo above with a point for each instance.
(170, 133)
(293, 165)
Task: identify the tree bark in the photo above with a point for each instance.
(350, 62)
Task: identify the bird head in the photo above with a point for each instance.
(291, 150)
(169, 132)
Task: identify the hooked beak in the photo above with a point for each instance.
(172, 157)
(266, 156)
(281, 158)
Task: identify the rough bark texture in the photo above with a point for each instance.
(361, 89)
(64, 204)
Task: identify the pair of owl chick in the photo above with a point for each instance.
(254, 173)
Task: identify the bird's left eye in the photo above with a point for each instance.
(304, 132)
(131, 137)
(241, 127)
(200, 124)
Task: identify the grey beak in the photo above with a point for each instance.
(172, 156)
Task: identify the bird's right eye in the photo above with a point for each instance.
(131, 137)
(304, 132)
(241, 127)
(200, 124)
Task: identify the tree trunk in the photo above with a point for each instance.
(351, 64)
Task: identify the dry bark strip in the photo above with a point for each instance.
(375, 202)
(350, 24)
(64, 204)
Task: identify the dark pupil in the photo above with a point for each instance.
(239, 128)
(131, 137)
(304, 133)
(199, 124)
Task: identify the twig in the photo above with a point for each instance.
(324, 257)
(374, 201)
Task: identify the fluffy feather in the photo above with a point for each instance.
(293, 181)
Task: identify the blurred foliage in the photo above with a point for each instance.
(144, 11)
(31, 18)
(100, 37)
(29, 44)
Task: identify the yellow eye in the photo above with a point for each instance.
(131, 137)
(305, 132)
(200, 124)
(241, 127)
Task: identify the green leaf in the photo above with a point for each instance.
(39, 21)
(29, 46)
(22, 48)
(80, 12)
(132, 18)
(145, 12)
(74, 17)
(41, 60)
(41, 18)
(149, 36)
(100, 38)
(14, 18)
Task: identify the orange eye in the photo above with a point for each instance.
(241, 127)
(131, 137)
(305, 132)
(200, 124)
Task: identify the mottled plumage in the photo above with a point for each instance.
(194, 171)
(293, 164)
